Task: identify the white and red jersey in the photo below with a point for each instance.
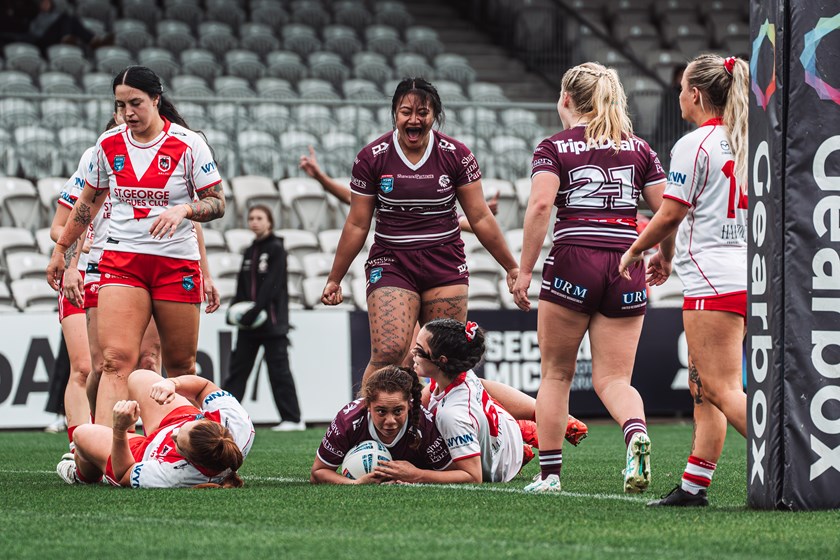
(711, 256)
(599, 187)
(472, 425)
(146, 179)
(160, 465)
(415, 203)
(71, 192)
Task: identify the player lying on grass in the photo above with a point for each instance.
(198, 435)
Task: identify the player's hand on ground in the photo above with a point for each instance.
(74, 287)
(167, 223)
(401, 471)
(520, 291)
(211, 295)
(126, 414)
(163, 392)
(658, 270)
(332, 294)
(55, 270)
(370, 478)
(309, 164)
(629, 259)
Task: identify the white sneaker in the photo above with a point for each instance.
(637, 471)
(540, 485)
(66, 469)
(287, 426)
(58, 426)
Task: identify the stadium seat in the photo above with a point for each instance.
(522, 123)
(269, 12)
(68, 58)
(523, 191)
(316, 119)
(479, 121)
(174, 36)
(300, 39)
(482, 265)
(689, 39)
(483, 92)
(339, 150)
(21, 264)
(227, 289)
(448, 90)
(371, 66)
(16, 112)
(228, 11)
(423, 40)
(669, 294)
(359, 287)
(640, 38)
(392, 13)
(471, 243)
(317, 90)
(352, 13)
(383, 39)
(287, 65)
(202, 63)
(484, 293)
(74, 141)
(20, 202)
(328, 240)
(258, 38)
(12, 82)
(111, 60)
(214, 241)
(98, 83)
(99, 10)
(8, 161)
(317, 264)
(7, 302)
(57, 83)
(186, 11)
(275, 88)
(342, 40)
(16, 239)
(132, 34)
(644, 96)
(49, 189)
(194, 113)
(298, 242)
(327, 66)
(258, 155)
(249, 190)
(190, 86)
(358, 121)
(224, 154)
(139, 10)
(216, 37)
(58, 112)
(43, 240)
(38, 154)
(293, 144)
(507, 215)
(307, 203)
(512, 155)
(361, 90)
(413, 64)
(24, 57)
(239, 239)
(310, 13)
(224, 265)
(270, 117)
(663, 61)
(34, 294)
(227, 117)
(243, 64)
(294, 273)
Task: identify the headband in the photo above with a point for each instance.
(729, 64)
(470, 330)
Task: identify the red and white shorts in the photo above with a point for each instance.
(165, 278)
(65, 308)
(736, 302)
(92, 286)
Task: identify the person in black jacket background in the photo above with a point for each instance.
(263, 280)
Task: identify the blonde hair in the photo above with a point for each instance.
(728, 96)
(597, 92)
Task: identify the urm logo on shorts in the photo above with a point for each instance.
(188, 283)
(375, 275)
(577, 292)
(386, 183)
(629, 298)
(119, 163)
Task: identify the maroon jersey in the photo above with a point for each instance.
(353, 425)
(415, 204)
(599, 187)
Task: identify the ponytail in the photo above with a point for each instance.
(212, 446)
(597, 92)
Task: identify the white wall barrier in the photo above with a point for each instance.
(319, 356)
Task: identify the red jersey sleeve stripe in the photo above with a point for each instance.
(681, 201)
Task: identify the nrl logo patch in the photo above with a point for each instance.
(119, 163)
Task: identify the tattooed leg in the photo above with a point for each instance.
(445, 302)
(392, 313)
(709, 422)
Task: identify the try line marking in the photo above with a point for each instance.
(460, 487)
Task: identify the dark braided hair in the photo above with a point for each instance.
(449, 338)
(425, 92)
(395, 379)
(146, 80)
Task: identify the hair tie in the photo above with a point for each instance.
(729, 64)
(472, 328)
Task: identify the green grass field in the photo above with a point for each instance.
(280, 515)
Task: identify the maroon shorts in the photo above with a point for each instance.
(417, 270)
(735, 302)
(586, 279)
(165, 278)
(65, 308)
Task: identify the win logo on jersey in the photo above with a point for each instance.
(386, 183)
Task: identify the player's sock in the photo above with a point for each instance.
(632, 427)
(698, 475)
(70, 430)
(551, 460)
(84, 480)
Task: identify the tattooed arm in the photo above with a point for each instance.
(74, 284)
(86, 207)
(210, 205)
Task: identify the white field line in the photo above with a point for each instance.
(460, 487)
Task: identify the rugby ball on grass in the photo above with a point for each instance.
(237, 310)
(363, 458)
